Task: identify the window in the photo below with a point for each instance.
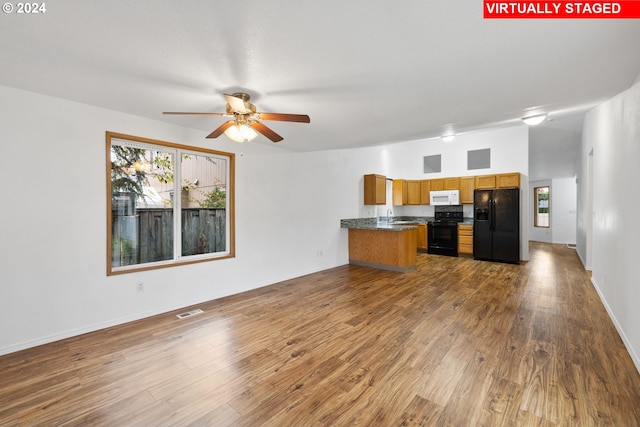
(541, 207)
(167, 204)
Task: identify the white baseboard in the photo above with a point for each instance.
(625, 340)
(86, 329)
(137, 316)
(584, 264)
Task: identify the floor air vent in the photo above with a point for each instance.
(189, 313)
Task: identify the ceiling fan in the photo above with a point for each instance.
(245, 119)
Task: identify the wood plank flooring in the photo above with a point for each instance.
(456, 342)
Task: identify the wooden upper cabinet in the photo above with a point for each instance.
(425, 192)
(485, 182)
(437, 184)
(399, 192)
(508, 180)
(467, 185)
(406, 192)
(418, 192)
(452, 183)
(503, 180)
(413, 192)
(375, 189)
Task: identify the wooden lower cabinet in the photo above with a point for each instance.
(422, 236)
(386, 249)
(465, 240)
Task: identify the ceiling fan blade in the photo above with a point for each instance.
(220, 129)
(300, 118)
(201, 114)
(266, 131)
(238, 105)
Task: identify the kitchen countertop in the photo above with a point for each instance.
(400, 223)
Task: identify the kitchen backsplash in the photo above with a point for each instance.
(421, 210)
(375, 211)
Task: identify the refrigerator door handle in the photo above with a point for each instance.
(492, 204)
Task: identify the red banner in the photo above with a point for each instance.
(561, 10)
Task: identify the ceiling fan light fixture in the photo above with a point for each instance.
(448, 137)
(240, 133)
(246, 121)
(534, 120)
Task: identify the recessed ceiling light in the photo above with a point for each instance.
(534, 120)
(448, 137)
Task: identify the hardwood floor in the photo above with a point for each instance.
(456, 342)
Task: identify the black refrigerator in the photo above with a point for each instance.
(496, 225)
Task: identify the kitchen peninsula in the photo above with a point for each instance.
(394, 245)
(382, 244)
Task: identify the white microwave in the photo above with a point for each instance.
(445, 197)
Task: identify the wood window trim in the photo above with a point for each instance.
(535, 206)
(109, 136)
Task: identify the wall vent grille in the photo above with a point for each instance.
(189, 313)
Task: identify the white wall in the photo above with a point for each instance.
(540, 234)
(562, 224)
(612, 133)
(563, 210)
(53, 253)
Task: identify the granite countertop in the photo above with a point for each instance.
(400, 223)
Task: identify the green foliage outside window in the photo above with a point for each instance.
(214, 199)
(543, 202)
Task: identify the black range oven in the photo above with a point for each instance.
(442, 238)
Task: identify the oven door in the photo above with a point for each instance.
(443, 239)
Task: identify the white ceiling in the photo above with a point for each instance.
(367, 72)
(554, 147)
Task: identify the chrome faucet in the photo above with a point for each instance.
(389, 213)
